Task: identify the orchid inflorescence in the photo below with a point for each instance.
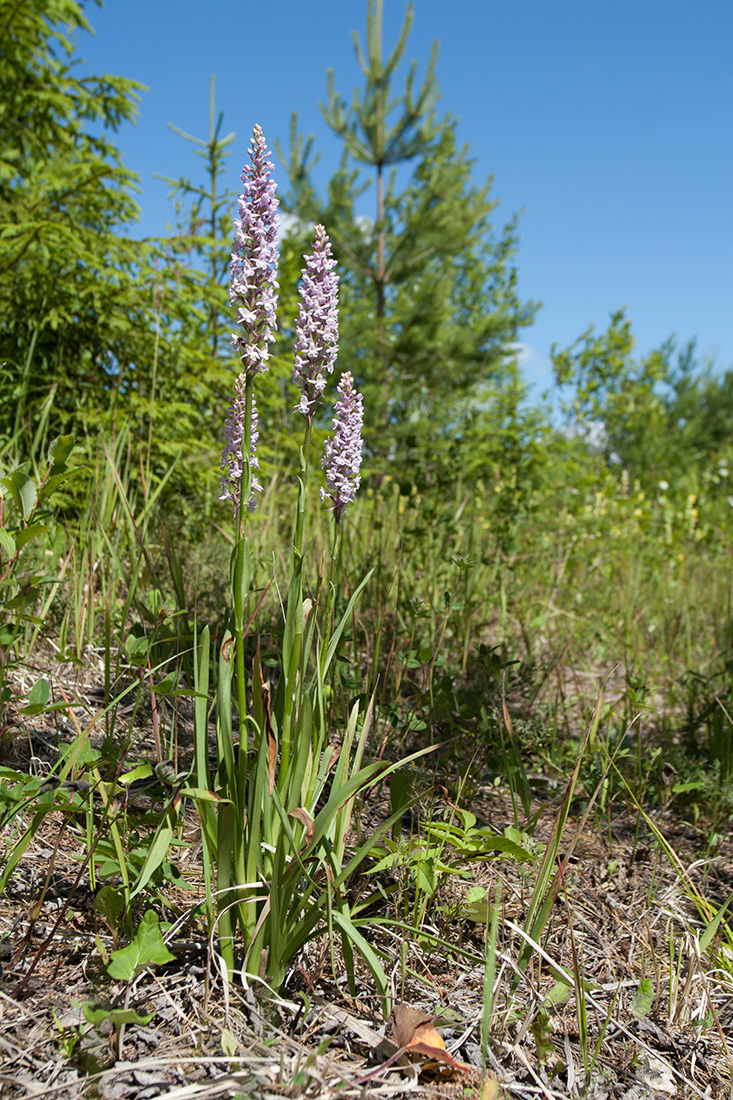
(231, 460)
(254, 286)
(342, 457)
(254, 290)
(316, 341)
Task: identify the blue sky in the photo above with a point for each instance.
(607, 123)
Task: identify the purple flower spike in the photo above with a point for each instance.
(231, 459)
(254, 285)
(342, 458)
(317, 325)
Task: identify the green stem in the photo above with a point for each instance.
(300, 513)
(293, 637)
(334, 577)
(241, 573)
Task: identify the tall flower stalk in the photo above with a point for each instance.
(253, 293)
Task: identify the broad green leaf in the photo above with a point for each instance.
(37, 697)
(23, 491)
(137, 649)
(476, 909)
(158, 849)
(7, 542)
(229, 1044)
(60, 450)
(110, 902)
(116, 1016)
(146, 949)
(31, 532)
(643, 998)
(559, 994)
(496, 844)
(541, 1029)
(142, 771)
(24, 599)
(58, 479)
(683, 788)
(167, 684)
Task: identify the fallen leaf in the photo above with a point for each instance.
(414, 1031)
(405, 1022)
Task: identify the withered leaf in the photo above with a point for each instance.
(306, 821)
(271, 741)
(405, 1022)
(414, 1031)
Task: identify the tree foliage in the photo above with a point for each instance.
(659, 416)
(429, 295)
(72, 310)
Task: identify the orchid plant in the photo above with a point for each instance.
(275, 827)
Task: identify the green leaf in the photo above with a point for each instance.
(7, 542)
(692, 785)
(229, 1044)
(30, 532)
(353, 936)
(137, 649)
(60, 450)
(116, 1016)
(559, 994)
(425, 878)
(713, 926)
(541, 1029)
(200, 794)
(37, 697)
(158, 850)
(24, 599)
(167, 684)
(110, 902)
(56, 480)
(142, 771)
(23, 491)
(490, 844)
(643, 998)
(146, 949)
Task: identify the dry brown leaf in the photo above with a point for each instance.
(414, 1031)
(405, 1022)
(306, 821)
